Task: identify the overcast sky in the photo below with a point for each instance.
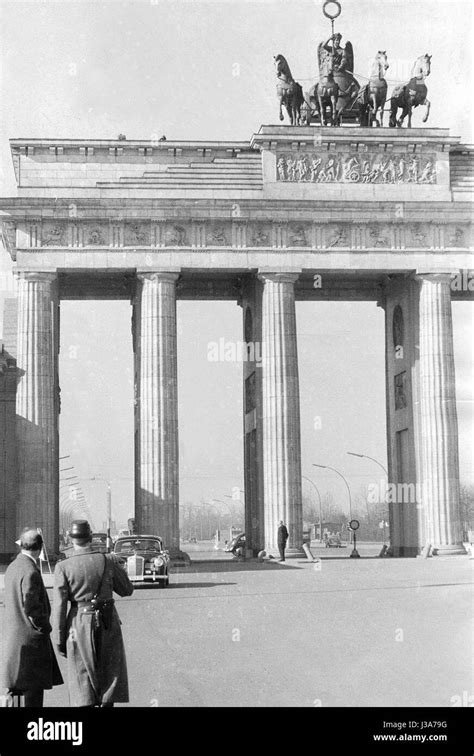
(195, 70)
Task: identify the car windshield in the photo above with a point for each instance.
(140, 544)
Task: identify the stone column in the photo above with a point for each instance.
(37, 405)
(156, 476)
(437, 427)
(281, 412)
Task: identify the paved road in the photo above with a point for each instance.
(344, 632)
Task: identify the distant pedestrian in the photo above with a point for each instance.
(90, 634)
(282, 539)
(29, 666)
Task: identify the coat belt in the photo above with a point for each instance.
(93, 605)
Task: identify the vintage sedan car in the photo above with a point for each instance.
(235, 544)
(333, 541)
(144, 558)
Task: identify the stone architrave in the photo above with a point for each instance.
(37, 405)
(281, 412)
(437, 425)
(156, 477)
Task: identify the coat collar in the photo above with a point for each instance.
(27, 559)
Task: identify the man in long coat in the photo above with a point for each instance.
(30, 666)
(89, 634)
(282, 539)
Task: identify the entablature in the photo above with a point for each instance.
(386, 228)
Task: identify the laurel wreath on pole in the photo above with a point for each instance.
(335, 13)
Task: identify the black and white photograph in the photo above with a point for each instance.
(236, 373)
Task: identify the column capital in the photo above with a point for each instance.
(167, 276)
(40, 276)
(441, 276)
(279, 276)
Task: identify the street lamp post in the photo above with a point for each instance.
(197, 525)
(235, 498)
(108, 501)
(366, 456)
(75, 495)
(320, 507)
(327, 467)
(231, 514)
(109, 516)
(216, 545)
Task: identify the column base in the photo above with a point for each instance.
(179, 557)
(293, 553)
(405, 552)
(449, 550)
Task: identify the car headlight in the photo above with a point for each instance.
(158, 562)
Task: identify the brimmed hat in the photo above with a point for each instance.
(80, 529)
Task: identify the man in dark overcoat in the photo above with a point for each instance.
(89, 633)
(29, 666)
(282, 539)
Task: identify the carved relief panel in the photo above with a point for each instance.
(137, 235)
(217, 235)
(356, 168)
(54, 234)
(261, 235)
(96, 235)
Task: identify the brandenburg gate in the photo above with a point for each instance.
(295, 213)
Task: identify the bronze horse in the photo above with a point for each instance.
(289, 92)
(326, 93)
(413, 93)
(373, 96)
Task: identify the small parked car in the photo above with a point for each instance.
(99, 542)
(238, 542)
(144, 558)
(333, 541)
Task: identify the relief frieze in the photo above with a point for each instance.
(95, 236)
(418, 235)
(340, 168)
(136, 235)
(291, 234)
(298, 236)
(54, 235)
(174, 236)
(379, 236)
(217, 237)
(455, 237)
(338, 237)
(261, 236)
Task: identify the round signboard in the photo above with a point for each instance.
(354, 524)
(332, 9)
